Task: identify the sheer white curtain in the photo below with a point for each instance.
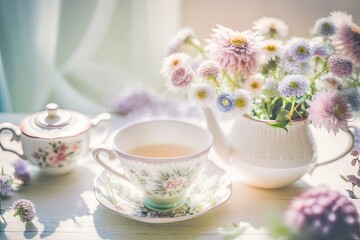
(78, 53)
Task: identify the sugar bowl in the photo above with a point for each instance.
(55, 139)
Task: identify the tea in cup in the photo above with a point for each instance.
(162, 158)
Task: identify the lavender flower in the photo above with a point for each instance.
(130, 101)
(179, 39)
(353, 97)
(340, 66)
(321, 213)
(294, 86)
(324, 27)
(5, 184)
(295, 67)
(300, 50)
(209, 69)
(22, 171)
(225, 102)
(25, 209)
(347, 37)
(322, 50)
(329, 109)
(182, 77)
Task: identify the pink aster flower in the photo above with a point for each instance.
(182, 77)
(347, 36)
(329, 109)
(209, 69)
(235, 51)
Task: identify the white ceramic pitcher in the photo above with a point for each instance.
(267, 157)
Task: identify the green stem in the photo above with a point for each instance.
(216, 83)
(1, 212)
(233, 85)
(317, 75)
(290, 115)
(199, 48)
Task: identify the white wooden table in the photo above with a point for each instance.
(67, 208)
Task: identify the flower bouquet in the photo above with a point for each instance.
(260, 74)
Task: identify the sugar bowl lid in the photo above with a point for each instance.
(55, 123)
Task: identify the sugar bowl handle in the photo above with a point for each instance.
(16, 134)
(103, 118)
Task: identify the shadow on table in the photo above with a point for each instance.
(251, 206)
(57, 198)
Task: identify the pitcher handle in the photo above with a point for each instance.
(16, 134)
(105, 118)
(350, 146)
(96, 152)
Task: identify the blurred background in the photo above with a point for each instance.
(82, 53)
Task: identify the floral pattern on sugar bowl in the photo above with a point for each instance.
(167, 183)
(57, 153)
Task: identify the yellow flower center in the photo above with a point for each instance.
(201, 94)
(175, 62)
(240, 102)
(239, 41)
(294, 85)
(255, 85)
(224, 102)
(301, 50)
(272, 30)
(271, 48)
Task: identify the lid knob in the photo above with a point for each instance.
(52, 109)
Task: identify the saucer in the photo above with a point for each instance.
(212, 188)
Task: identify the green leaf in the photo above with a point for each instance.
(282, 116)
(270, 93)
(280, 125)
(351, 194)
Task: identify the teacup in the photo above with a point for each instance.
(162, 158)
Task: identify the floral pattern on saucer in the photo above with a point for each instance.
(211, 189)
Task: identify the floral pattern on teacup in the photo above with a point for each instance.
(56, 154)
(167, 183)
(173, 182)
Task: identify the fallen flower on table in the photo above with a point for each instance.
(25, 209)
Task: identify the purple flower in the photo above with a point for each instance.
(179, 39)
(295, 67)
(353, 97)
(209, 69)
(322, 50)
(324, 27)
(5, 184)
(321, 213)
(340, 66)
(131, 101)
(294, 86)
(182, 77)
(347, 37)
(25, 209)
(300, 50)
(22, 171)
(329, 109)
(225, 102)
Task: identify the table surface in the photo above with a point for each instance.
(67, 208)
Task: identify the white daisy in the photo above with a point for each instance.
(272, 48)
(254, 84)
(172, 62)
(242, 102)
(202, 94)
(270, 27)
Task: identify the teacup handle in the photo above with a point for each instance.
(96, 152)
(16, 134)
(105, 118)
(342, 154)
